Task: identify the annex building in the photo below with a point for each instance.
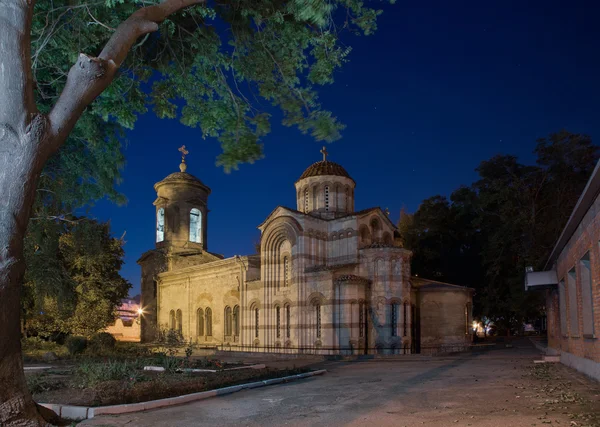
(328, 278)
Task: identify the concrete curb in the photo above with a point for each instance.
(79, 413)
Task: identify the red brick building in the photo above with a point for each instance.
(572, 283)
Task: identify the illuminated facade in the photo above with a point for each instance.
(328, 278)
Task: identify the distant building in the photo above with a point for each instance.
(328, 278)
(572, 285)
(127, 323)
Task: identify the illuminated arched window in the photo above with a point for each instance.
(195, 226)
(160, 225)
(286, 271)
(208, 322)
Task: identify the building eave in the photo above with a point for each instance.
(589, 194)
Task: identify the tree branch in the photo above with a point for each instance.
(90, 76)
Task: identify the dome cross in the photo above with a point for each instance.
(325, 153)
(184, 152)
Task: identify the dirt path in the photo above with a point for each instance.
(501, 388)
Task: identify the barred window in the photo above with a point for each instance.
(326, 197)
(286, 271)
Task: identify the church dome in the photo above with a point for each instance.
(325, 168)
(180, 178)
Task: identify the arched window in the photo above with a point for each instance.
(318, 319)
(288, 319)
(405, 320)
(179, 321)
(286, 271)
(160, 225)
(195, 226)
(278, 317)
(228, 321)
(200, 322)
(208, 322)
(256, 324)
(314, 198)
(306, 201)
(172, 324)
(394, 319)
(327, 197)
(236, 320)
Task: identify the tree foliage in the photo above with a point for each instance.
(72, 284)
(485, 235)
(209, 65)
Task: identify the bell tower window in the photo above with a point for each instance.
(160, 225)
(195, 226)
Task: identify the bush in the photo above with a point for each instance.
(102, 341)
(76, 344)
(90, 373)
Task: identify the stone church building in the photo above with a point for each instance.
(328, 278)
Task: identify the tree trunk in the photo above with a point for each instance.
(19, 172)
(27, 139)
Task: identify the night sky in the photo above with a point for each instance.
(440, 87)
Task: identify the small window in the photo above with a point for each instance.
(256, 325)
(228, 322)
(200, 322)
(306, 201)
(288, 321)
(326, 197)
(172, 324)
(361, 320)
(286, 271)
(394, 320)
(318, 319)
(278, 316)
(195, 226)
(160, 225)
(179, 321)
(208, 322)
(236, 320)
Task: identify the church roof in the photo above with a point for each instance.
(324, 168)
(427, 284)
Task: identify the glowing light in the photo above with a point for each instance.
(140, 311)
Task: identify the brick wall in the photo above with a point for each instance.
(585, 239)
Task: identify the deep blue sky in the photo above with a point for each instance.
(440, 87)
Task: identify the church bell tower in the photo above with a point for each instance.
(181, 212)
